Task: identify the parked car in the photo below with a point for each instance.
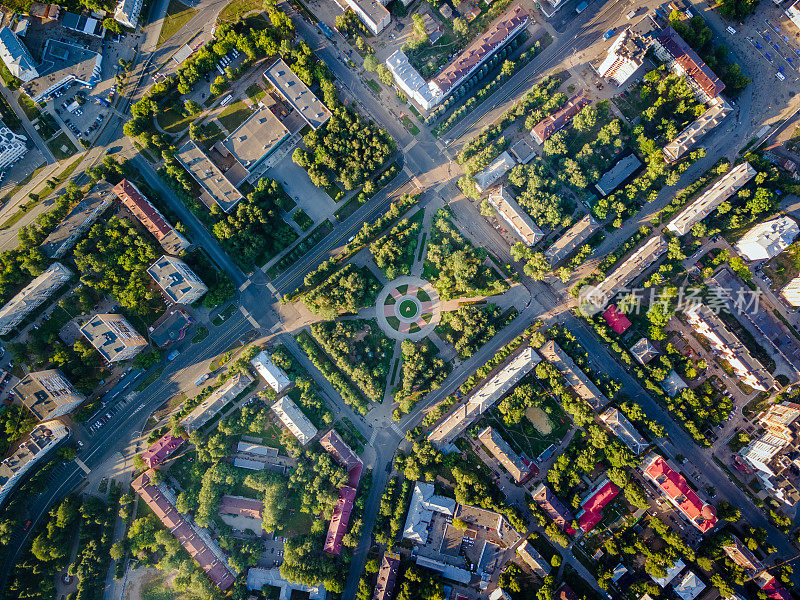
(607, 35)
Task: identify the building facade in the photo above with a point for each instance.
(149, 216)
(32, 296)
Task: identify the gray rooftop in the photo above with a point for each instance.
(216, 186)
(614, 177)
(256, 138)
(297, 94)
(79, 219)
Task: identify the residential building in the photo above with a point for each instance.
(214, 403)
(549, 125)
(593, 504)
(673, 384)
(689, 587)
(484, 397)
(32, 296)
(272, 374)
(675, 487)
(772, 587)
(624, 430)
(161, 449)
(682, 60)
(16, 56)
(78, 220)
(793, 12)
(34, 449)
(723, 188)
(242, 507)
(747, 368)
(410, 81)
(297, 94)
(177, 281)
(519, 467)
(768, 239)
(45, 12)
(533, 559)
(171, 241)
(371, 12)
(574, 376)
(489, 47)
(672, 573)
(294, 420)
(216, 188)
(716, 113)
(346, 458)
(564, 592)
(387, 576)
(171, 326)
(499, 594)
(499, 167)
(424, 502)
(632, 267)
(616, 319)
(127, 12)
(571, 239)
(550, 504)
(616, 175)
(196, 540)
(13, 146)
(775, 454)
(257, 578)
(644, 351)
(791, 292)
(48, 394)
(627, 53)
(769, 331)
(742, 556)
(520, 222)
(113, 337)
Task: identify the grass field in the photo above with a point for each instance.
(234, 115)
(527, 438)
(409, 124)
(255, 93)
(62, 139)
(173, 120)
(237, 8)
(376, 87)
(178, 15)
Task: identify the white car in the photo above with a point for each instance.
(782, 77)
(730, 30)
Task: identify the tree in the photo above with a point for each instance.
(117, 550)
(537, 266)
(385, 75)
(419, 28)
(370, 63)
(112, 26)
(192, 107)
(219, 85)
(460, 27)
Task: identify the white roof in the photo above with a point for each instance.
(768, 239)
(410, 81)
(689, 586)
(294, 420)
(258, 578)
(448, 571)
(423, 504)
(494, 171)
(516, 218)
(272, 374)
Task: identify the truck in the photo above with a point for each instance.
(581, 7)
(201, 379)
(102, 101)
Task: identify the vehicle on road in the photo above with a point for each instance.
(173, 355)
(730, 30)
(201, 379)
(780, 76)
(607, 35)
(581, 7)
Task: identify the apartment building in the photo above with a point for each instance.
(294, 420)
(148, 215)
(32, 296)
(502, 200)
(549, 125)
(519, 467)
(47, 394)
(113, 337)
(178, 283)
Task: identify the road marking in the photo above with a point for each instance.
(271, 287)
(245, 285)
(276, 327)
(83, 466)
(249, 317)
(411, 144)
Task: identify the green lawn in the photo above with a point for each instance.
(235, 9)
(202, 333)
(55, 145)
(255, 93)
(409, 124)
(178, 15)
(374, 85)
(28, 107)
(172, 119)
(234, 115)
(526, 438)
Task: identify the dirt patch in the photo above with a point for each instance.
(539, 419)
(148, 583)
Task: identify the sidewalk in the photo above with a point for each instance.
(33, 135)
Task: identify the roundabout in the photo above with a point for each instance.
(408, 308)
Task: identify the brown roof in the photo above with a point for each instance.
(687, 58)
(481, 48)
(386, 576)
(549, 125)
(148, 215)
(565, 593)
(217, 571)
(547, 501)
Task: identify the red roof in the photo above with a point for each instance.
(343, 455)
(616, 319)
(340, 520)
(674, 486)
(688, 60)
(549, 125)
(593, 506)
(216, 570)
(478, 51)
(775, 591)
(387, 575)
(161, 449)
(245, 507)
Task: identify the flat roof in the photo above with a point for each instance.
(32, 295)
(632, 267)
(571, 239)
(256, 138)
(208, 175)
(47, 392)
(297, 94)
(574, 376)
(63, 62)
(79, 219)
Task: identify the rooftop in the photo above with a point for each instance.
(574, 376)
(549, 125)
(697, 129)
(511, 212)
(272, 374)
(616, 175)
(424, 502)
(519, 467)
(297, 94)
(633, 266)
(624, 430)
(112, 336)
(501, 31)
(179, 283)
(171, 326)
(703, 206)
(217, 188)
(701, 514)
(16, 56)
(78, 220)
(33, 448)
(64, 62)
(387, 575)
(294, 420)
(209, 407)
(161, 449)
(32, 296)
(644, 351)
(255, 139)
(548, 502)
(768, 239)
(48, 394)
(691, 64)
(149, 216)
(499, 167)
(616, 319)
(571, 239)
(593, 505)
